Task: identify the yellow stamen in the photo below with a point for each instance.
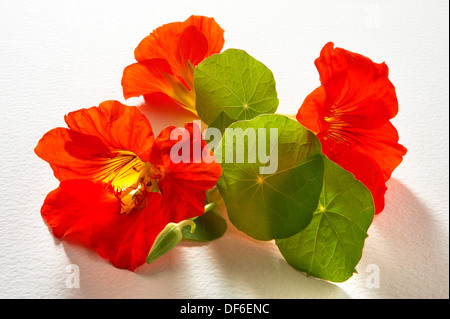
(181, 94)
(130, 179)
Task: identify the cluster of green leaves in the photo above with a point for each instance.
(317, 213)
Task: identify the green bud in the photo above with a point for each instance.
(168, 239)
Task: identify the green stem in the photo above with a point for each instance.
(210, 206)
(186, 223)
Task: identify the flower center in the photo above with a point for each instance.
(337, 128)
(182, 88)
(129, 178)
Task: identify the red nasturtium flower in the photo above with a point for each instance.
(350, 113)
(166, 60)
(118, 186)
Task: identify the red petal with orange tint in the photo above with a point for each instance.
(350, 113)
(72, 155)
(117, 125)
(382, 145)
(83, 212)
(155, 77)
(193, 46)
(160, 44)
(185, 184)
(146, 77)
(160, 100)
(357, 89)
(212, 31)
(163, 42)
(181, 45)
(312, 112)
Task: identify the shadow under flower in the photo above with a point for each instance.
(249, 268)
(408, 242)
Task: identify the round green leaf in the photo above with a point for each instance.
(235, 83)
(272, 197)
(331, 246)
(222, 121)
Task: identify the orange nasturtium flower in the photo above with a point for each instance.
(166, 60)
(119, 187)
(350, 113)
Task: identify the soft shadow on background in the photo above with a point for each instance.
(409, 244)
(405, 242)
(231, 268)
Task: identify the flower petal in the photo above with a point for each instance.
(163, 42)
(160, 44)
(193, 46)
(146, 77)
(357, 89)
(155, 77)
(72, 155)
(84, 212)
(178, 47)
(185, 183)
(312, 112)
(212, 31)
(350, 114)
(117, 125)
(382, 145)
(160, 101)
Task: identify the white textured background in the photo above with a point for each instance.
(59, 56)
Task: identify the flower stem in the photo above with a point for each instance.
(187, 222)
(210, 206)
